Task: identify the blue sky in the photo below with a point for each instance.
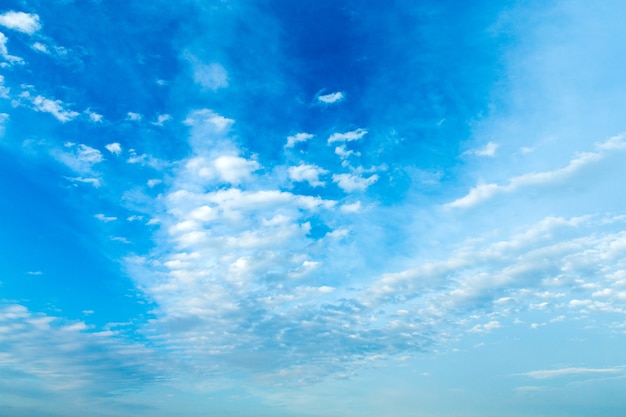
(312, 208)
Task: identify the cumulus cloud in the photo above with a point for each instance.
(331, 98)
(228, 168)
(308, 173)
(114, 148)
(20, 21)
(351, 182)
(297, 138)
(347, 136)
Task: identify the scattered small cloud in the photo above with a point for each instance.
(347, 136)
(92, 181)
(104, 218)
(38, 46)
(485, 328)
(115, 148)
(133, 117)
(331, 98)
(344, 152)
(350, 182)
(297, 138)
(161, 119)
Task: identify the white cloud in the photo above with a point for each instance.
(344, 153)
(88, 154)
(134, 117)
(81, 158)
(153, 182)
(209, 117)
(38, 46)
(488, 150)
(55, 108)
(145, 160)
(65, 358)
(104, 218)
(229, 168)
(298, 137)
(20, 21)
(93, 116)
(114, 148)
(212, 76)
(308, 173)
(3, 118)
(4, 91)
(564, 372)
(347, 136)
(351, 208)
(331, 98)
(351, 182)
(234, 169)
(161, 119)
(93, 181)
(4, 52)
(485, 328)
(484, 192)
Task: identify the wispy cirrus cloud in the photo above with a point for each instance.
(55, 107)
(571, 372)
(484, 192)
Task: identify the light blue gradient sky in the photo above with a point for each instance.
(312, 208)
